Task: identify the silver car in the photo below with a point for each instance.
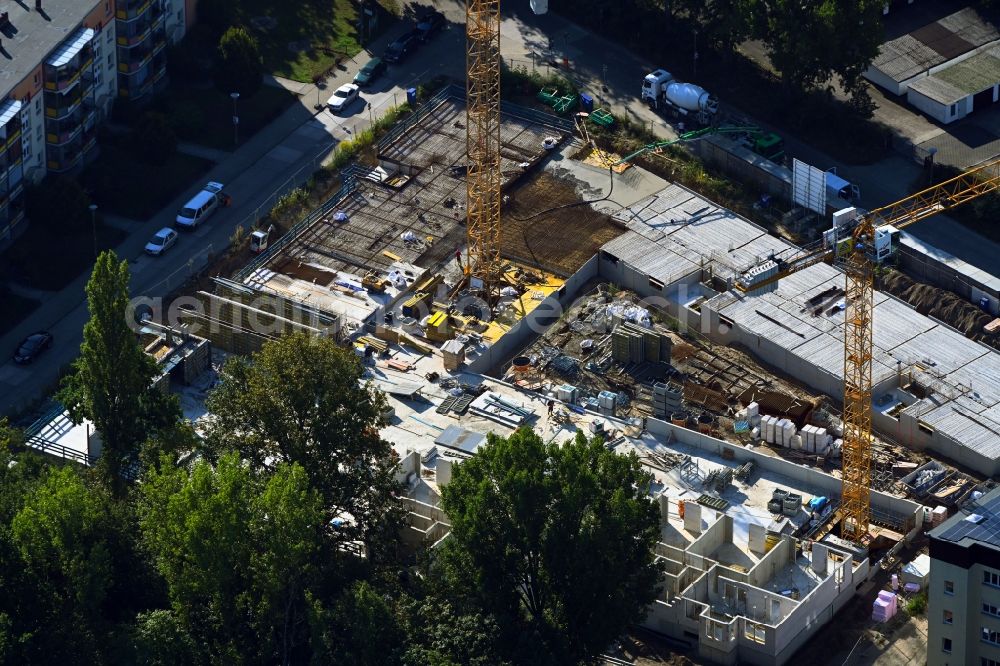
(162, 241)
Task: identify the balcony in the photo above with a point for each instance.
(63, 137)
(13, 134)
(128, 11)
(60, 112)
(62, 84)
(137, 38)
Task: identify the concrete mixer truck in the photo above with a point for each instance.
(682, 100)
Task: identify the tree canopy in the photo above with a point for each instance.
(239, 554)
(239, 65)
(111, 381)
(300, 400)
(555, 542)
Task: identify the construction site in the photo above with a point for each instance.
(620, 317)
(496, 271)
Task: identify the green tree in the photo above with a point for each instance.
(555, 542)
(158, 639)
(239, 554)
(721, 24)
(239, 66)
(300, 401)
(368, 632)
(111, 381)
(153, 138)
(218, 15)
(59, 540)
(810, 42)
(58, 203)
(439, 633)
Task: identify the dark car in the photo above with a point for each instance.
(429, 23)
(370, 72)
(402, 47)
(32, 347)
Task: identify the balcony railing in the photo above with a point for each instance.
(59, 112)
(138, 38)
(63, 137)
(127, 11)
(66, 163)
(63, 83)
(12, 136)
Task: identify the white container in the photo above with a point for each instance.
(753, 409)
(797, 442)
(768, 424)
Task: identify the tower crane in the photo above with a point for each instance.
(483, 178)
(860, 246)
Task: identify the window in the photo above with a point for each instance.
(949, 587)
(111, 36)
(953, 110)
(990, 609)
(983, 661)
(656, 284)
(991, 578)
(109, 59)
(945, 645)
(948, 618)
(990, 636)
(755, 632)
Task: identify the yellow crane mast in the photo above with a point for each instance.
(483, 181)
(861, 249)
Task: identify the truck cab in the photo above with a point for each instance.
(654, 85)
(838, 188)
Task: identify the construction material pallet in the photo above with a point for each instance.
(602, 117)
(716, 503)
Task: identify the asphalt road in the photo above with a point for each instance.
(278, 158)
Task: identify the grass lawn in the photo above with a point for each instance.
(303, 39)
(15, 309)
(125, 185)
(205, 115)
(49, 261)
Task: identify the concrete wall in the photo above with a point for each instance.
(885, 82)
(517, 337)
(745, 165)
(816, 481)
(954, 275)
(940, 112)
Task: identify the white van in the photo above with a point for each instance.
(201, 206)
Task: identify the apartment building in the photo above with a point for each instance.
(963, 611)
(66, 61)
(57, 81)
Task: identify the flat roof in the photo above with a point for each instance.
(977, 522)
(675, 232)
(934, 44)
(968, 77)
(37, 35)
(685, 228)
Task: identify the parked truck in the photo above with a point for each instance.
(839, 192)
(666, 94)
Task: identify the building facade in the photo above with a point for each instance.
(963, 611)
(69, 60)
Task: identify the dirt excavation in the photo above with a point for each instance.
(943, 305)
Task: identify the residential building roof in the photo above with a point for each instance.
(35, 35)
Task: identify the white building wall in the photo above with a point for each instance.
(884, 81)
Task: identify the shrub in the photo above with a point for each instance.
(58, 203)
(153, 138)
(239, 64)
(916, 605)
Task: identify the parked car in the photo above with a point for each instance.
(162, 241)
(202, 205)
(402, 47)
(370, 72)
(429, 23)
(342, 97)
(32, 347)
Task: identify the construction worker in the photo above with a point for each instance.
(552, 404)
(458, 256)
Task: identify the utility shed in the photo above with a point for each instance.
(958, 89)
(920, 53)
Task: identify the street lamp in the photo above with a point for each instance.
(93, 225)
(236, 119)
